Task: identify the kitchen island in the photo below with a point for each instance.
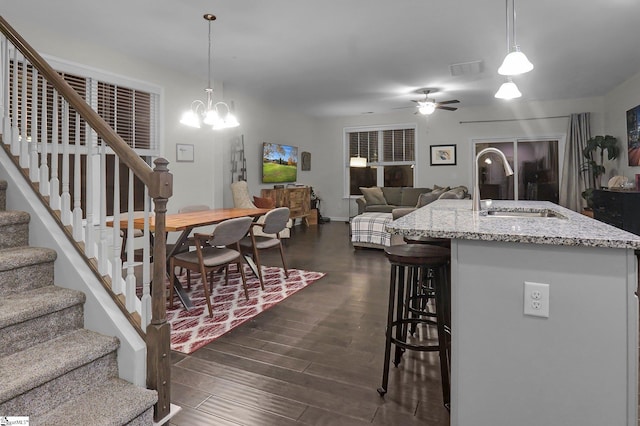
(577, 365)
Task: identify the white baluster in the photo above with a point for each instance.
(77, 184)
(54, 191)
(116, 273)
(65, 198)
(24, 141)
(33, 143)
(15, 144)
(130, 293)
(103, 245)
(6, 120)
(44, 140)
(145, 313)
(89, 248)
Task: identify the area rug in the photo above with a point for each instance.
(192, 329)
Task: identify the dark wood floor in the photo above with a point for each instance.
(315, 358)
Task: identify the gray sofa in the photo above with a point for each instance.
(386, 199)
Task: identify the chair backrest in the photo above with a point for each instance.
(194, 208)
(241, 198)
(230, 231)
(276, 220)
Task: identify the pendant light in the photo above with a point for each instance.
(516, 62)
(217, 115)
(508, 90)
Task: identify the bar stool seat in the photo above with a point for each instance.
(411, 265)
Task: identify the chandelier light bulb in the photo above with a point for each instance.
(508, 90)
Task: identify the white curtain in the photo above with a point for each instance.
(573, 179)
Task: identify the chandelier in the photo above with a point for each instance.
(218, 115)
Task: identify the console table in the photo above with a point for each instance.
(618, 208)
(298, 199)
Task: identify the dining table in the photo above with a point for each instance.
(185, 223)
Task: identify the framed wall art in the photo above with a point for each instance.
(184, 153)
(443, 155)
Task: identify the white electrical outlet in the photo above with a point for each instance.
(536, 299)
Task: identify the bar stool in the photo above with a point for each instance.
(409, 266)
(440, 242)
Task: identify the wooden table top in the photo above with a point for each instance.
(182, 221)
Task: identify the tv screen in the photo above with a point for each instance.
(279, 163)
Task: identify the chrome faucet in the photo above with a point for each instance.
(476, 188)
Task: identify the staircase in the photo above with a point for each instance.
(52, 369)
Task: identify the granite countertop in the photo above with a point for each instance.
(455, 219)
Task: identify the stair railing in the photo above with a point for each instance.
(55, 137)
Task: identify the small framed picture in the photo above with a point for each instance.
(443, 155)
(184, 153)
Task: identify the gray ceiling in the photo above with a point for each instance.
(345, 57)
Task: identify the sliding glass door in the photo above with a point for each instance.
(535, 166)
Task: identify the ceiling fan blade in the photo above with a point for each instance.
(446, 107)
(453, 101)
(404, 107)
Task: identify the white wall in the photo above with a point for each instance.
(443, 127)
(616, 104)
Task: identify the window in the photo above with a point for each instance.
(130, 111)
(535, 166)
(389, 152)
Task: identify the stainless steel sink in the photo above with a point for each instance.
(525, 213)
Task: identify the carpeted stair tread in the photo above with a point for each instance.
(19, 257)
(13, 217)
(20, 307)
(96, 407)
(41, 363)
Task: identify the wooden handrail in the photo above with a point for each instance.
(159, 181)
(119, 146)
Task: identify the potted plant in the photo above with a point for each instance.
(593, 167)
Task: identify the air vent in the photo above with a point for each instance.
(466, 68)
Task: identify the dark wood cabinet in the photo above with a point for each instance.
(298, 199)
(618, 208)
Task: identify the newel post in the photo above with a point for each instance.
(159, 330)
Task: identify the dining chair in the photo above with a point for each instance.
(124, 234)
(274, 222)
(212, 253)
(190, 240)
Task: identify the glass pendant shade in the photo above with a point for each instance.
(508, 90)
(357, 162)
(190, 118)
(515, 63)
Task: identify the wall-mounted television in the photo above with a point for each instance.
(279, 163)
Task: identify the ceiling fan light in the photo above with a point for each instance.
(515, 63)
(508, 90)
(190, 118)
(426, 108)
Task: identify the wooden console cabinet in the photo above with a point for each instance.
(298, 199)
(618, 208)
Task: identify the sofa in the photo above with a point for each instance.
(386, 199)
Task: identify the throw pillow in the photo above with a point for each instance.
(373, 195)
(458, 193)
(263, 203)
(429, 197)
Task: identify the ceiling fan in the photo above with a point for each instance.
(427, 106)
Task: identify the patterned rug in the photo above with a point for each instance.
(192, 329)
